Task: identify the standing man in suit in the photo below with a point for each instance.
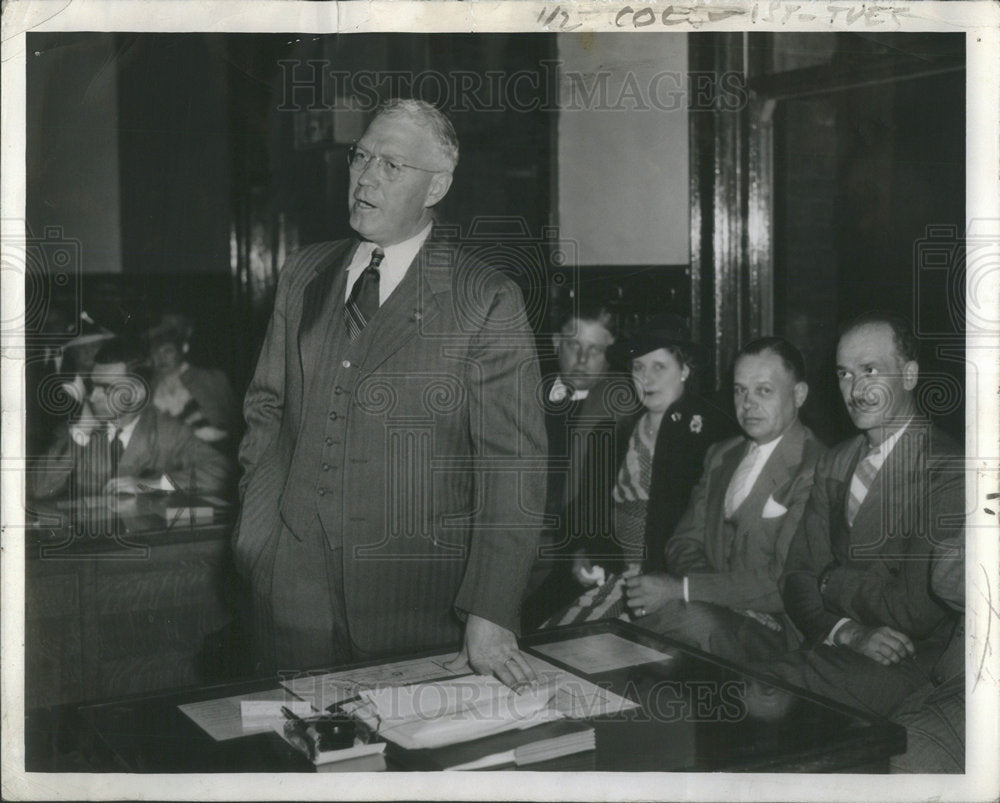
(720, 589)
(857, 580)
(392, 480)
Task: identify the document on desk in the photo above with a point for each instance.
(602, 652)
(444, 712)
(334, 687)
(232, 717)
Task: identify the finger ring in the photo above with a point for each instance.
(509, 659)
(642, 611)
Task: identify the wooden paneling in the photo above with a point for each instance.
(101, 626)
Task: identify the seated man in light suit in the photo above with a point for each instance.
(720, 590)
(857, 581)
(123, 444)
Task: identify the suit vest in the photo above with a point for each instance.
(313, 495)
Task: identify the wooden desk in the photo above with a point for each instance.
(697, 713)
(119, 610)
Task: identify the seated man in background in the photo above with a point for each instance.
(720, 589)
(857, 582)
(122, 444)
(579, 403)
(200, 397)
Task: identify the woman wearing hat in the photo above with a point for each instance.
(662, 446)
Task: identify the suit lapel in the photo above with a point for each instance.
(136, 457)
(322, 294)
(717, 498)
(413, 305)
(885, 502)
(775, 473)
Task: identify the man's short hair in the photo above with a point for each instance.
(788, 353)
(431, 117)
(596, 310)
(126, 351)
(902, 331)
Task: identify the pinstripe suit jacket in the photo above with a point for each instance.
(428, 469)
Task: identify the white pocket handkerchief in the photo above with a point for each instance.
(773, 509)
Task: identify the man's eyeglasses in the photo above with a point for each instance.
(387, 169)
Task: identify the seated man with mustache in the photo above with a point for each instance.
(857, 582)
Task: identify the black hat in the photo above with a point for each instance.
(660, 331)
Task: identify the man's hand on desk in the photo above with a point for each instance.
(492, 650)
(882, 644)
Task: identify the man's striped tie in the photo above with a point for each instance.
(363, 301)
(862, 480)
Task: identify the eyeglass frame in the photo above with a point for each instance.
(576, 348)
(382, 163)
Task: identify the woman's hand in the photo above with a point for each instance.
(647, 593)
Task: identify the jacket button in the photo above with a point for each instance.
(329, 441)
(333, 416)
(321, 491)
(326, 467)
(346, 363)
(338, 390)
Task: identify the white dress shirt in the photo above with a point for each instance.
(394, 265)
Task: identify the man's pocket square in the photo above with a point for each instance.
(773, 509)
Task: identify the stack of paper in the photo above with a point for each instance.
(428, 715)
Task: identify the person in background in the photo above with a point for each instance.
(78, 356)
(718, 589)
(660, 449)
(47, 405)
(121, 444)
(582, 401)
(857, 582)
(200, 397)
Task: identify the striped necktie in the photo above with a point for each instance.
(363, 301)
(861, 481)
(739, 487)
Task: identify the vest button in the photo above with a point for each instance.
(329, 441)
(326, 467)
(346, 363)
(333, 416)
(321, 491)
(338, 390)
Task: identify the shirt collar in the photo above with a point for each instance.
(765, 450)
(886, 446)
(559, 390)
(395, 263)
(125, 433)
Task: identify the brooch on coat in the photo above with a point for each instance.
(696, 424)
(675, 416)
